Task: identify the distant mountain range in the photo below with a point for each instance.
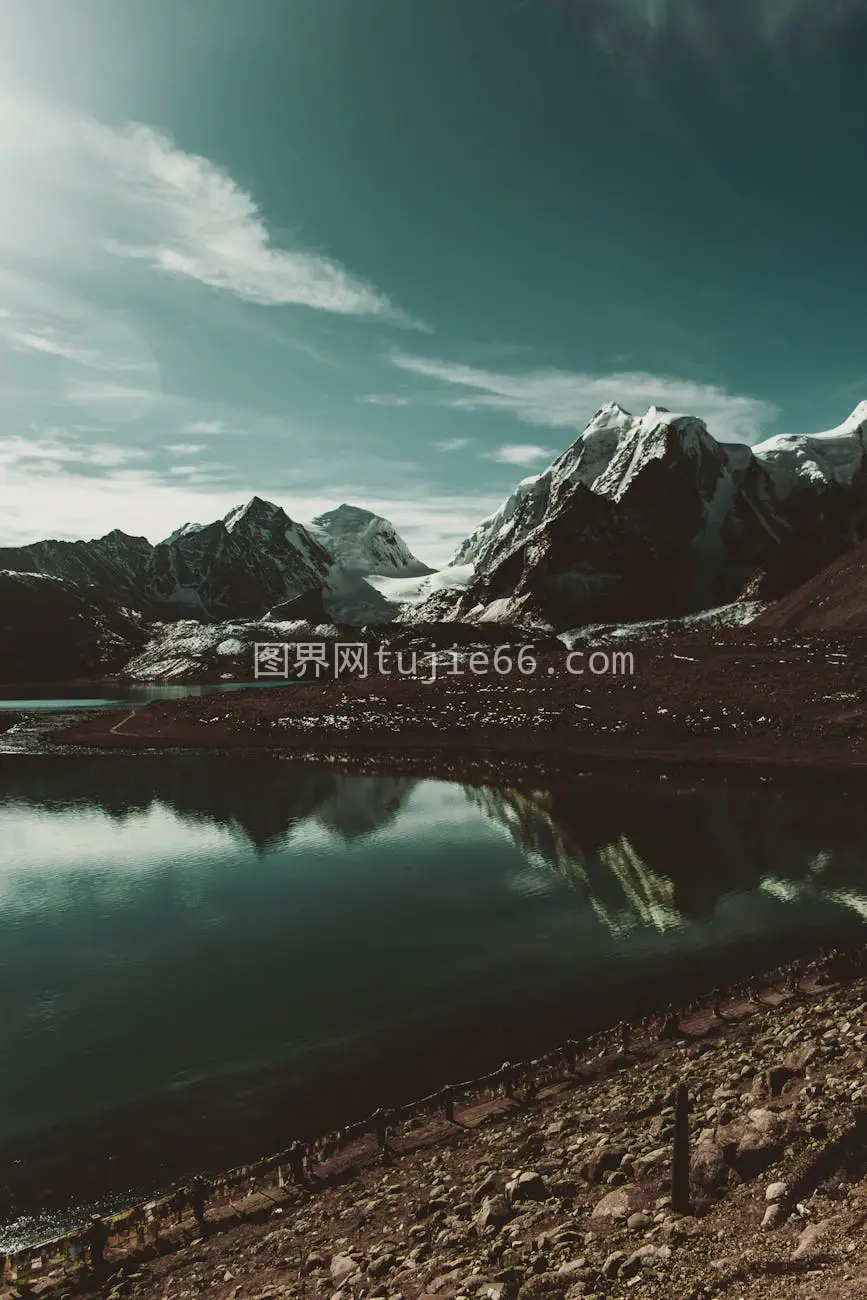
(237, 567)
(83, 608)
(640, 518)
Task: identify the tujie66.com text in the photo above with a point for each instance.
(276, 659)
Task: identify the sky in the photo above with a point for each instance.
(397, 252)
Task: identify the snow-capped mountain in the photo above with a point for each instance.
(366, 543)
(583, 462)
(240, 566)
(652, 516)
(640, 518)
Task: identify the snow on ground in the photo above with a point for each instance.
(737, 614)
(412, 591)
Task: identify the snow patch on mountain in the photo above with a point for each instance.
(361, 540)
(816, 459)
(737, 613)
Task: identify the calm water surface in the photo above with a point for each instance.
(55, 697)
(203, 957)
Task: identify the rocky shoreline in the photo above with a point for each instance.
(561, 1190)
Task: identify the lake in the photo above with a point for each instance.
(55, 697)
(202, 957)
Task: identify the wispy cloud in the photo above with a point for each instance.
(205, 426)
(48, 450)
(83, 353)
(384, 399)
(92, 360)
(514, 453)
(132, 192)
(560, 399)
(53, 347)
(452, 444)
(617, 24)
(184, 448)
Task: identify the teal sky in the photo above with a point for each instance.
(397, 252)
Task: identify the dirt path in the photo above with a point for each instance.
(113, 731)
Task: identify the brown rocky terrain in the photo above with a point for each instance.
(834, 601)
(730, 697)
(561, 1190)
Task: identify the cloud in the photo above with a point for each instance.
(521, 454)
(452, 444)
(699, 21)
(110, 402)
(384, 399)
(47, 488)
(129, 191)
(94, 360)
(50, 449)
(562, 399)
(205, 426)
(54, 347)
(84, 353)
(184, 448)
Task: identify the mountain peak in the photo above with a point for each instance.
(365, 542)
(607, 412)
(118, 535)
(345, 513)
(256, 510)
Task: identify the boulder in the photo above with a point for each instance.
(604, 1160)
(710, 1173)
(777, 1077)
(342, 1267)
(528, 1186)
(495, 1212)
(644, 1255)
(618, 1204)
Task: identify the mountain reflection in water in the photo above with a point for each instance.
(202, 956)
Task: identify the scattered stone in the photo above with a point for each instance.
(809, 1238)
(777, 1077)
(618, 1204)
(528, 1186)
(645, 1254)
(612, 1264)
(604, 1160)
(773, 1216)
(495, 1212)
(341, 1268)
(544, 1286)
